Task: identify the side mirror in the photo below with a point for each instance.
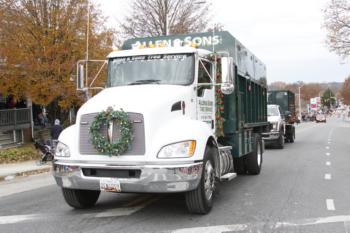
(288, 114)
(227, 75)
(80, 76)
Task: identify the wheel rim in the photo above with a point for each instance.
(258, 151)
(209, 180)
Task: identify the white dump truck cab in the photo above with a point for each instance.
(276, 135)
(169, 96)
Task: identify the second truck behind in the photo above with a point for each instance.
(282, 116)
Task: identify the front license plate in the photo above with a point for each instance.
(110, 185)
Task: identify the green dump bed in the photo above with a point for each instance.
(284, 98)
(246, 108)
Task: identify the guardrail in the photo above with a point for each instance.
(11, 119)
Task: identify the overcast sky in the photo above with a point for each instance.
(287, 35)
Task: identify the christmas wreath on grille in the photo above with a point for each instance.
(100, 142)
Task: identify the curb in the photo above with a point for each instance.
(25, 173)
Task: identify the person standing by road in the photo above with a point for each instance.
(56, 130)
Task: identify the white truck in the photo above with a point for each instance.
(281, 115)
(277, 134)
(178, 114)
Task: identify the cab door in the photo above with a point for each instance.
(206, 93)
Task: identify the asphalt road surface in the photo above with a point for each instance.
(302, 188)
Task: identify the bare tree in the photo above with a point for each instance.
(337, 23)
(163, 17)
(278, 85)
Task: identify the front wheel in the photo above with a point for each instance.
(292, 136)
(80, 199)
(255, 158)
(200, 200)
(280, 141)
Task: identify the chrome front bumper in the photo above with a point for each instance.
(271, 136)
(152, 178)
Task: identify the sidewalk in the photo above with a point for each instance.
(11, 170)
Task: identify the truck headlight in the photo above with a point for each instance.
(178, 150)
(62, 150)
(275, 125)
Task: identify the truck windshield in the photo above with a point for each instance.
(272, 111)
(173, 69)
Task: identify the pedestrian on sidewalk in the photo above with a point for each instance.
(56, 130)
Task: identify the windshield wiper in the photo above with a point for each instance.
(146, 81)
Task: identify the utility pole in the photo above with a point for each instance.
(299, 103)
(87, 51)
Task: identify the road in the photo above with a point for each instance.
(302, 188)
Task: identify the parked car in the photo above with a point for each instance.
(320, 117)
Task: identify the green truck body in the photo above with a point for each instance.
(285, 99)
(246, 108)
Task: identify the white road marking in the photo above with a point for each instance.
(329, 142)
(10, 219)
(123, 211)
(327, 147)
(328, 163)
(327, 176)
(328, 154)
(347, 227)
(330, 204)
(241, 227)
(117, 212)
(213, 229)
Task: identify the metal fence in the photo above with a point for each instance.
(15, 118)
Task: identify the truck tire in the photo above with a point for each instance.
(80, 199)
(239, 165)
(200, 200)
(280, 141)
(255, 158)
(292, 136)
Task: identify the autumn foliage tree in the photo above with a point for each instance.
(154, 17)
(328, 98)
(345, 91)
(40, 43)
(310, 90)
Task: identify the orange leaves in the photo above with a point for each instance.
(42, 41)
(345, 91)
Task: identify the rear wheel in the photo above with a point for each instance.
(200, 200)
(80, 199)
(255, 158)
(280, 141)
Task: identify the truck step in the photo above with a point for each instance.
(228, 176)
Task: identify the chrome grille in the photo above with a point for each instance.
(137, 147)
